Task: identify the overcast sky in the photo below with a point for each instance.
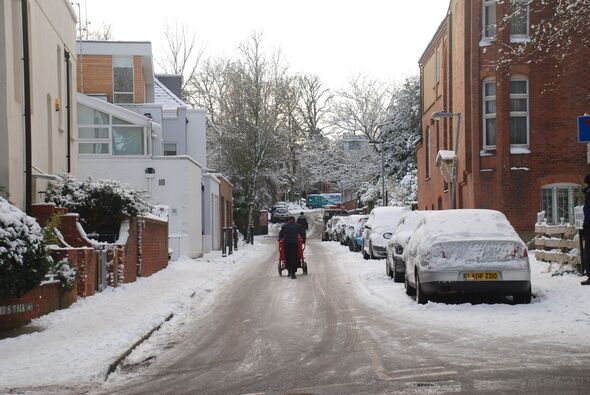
(334, 39)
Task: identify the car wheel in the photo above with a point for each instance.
(421, 298)
(350, 246)
(397, 276)
(371, 255)
(365, 255)
(524, 298)
(410, 291)
(388, 267)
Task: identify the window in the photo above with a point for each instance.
(437, 70)
(519, 114)
(427, 149)
(519, 20)
(558, 202)
(489, 19)
(103, 134)
(489, 114)
(169, 149)
(122, 79)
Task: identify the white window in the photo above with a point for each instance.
(489, 113)
(123, 79)
(519, 112)
(489, 19)
(102, 134)
(519, 20)
(437, 66)
(558, 202)
(169, 149)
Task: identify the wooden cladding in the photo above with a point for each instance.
(95, 76)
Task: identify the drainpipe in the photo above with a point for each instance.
(27, 109)
(68, 112)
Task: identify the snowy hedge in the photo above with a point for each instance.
(97, 201)
(23, 257)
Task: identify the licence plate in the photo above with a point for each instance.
(481, 276)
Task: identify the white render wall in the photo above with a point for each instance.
(181, 192)
(211, 220)
(197, 135)
(52, 29)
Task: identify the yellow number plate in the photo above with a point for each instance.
(481, 276)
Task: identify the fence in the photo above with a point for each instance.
(559, 244)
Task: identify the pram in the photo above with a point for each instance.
(283, 260)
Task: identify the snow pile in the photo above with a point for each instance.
(23, 258)
(76, 345)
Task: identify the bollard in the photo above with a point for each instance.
(223, 243)
(235, 236)
(252, 234)
(229, 241)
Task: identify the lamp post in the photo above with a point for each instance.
(439, 115)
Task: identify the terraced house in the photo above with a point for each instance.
(517, 146)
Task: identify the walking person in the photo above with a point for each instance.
(289, 233)
(586, 230)
(302, 221)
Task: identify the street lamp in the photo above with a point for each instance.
(443, 114)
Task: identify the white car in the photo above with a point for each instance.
(467, 251)
(378, 230)
(394, 263)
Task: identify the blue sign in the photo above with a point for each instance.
(584, 129)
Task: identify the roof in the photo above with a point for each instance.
(441, 28)
(118, 111)
(165, 97)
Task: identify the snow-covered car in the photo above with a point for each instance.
(348, 228)
(333, 229)
(467, 251)
(378, 230)
(279, 214)
(352, 228)
(359, 229)
(394, 263)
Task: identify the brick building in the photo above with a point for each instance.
(518, 151)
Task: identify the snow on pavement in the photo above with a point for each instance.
(559, 312)
(77, 345)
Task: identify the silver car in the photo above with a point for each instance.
(467, 251)
(378, 230)
(394, 263)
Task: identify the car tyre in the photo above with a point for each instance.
(397, 276)
(388, 270)
(371, 255)
(365, 255)
(350, 246)
(410, 291)
(524, 298)
(421, 298)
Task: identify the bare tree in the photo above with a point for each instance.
(362, 107)
(182, 57)
(315, 102)
(102, 33)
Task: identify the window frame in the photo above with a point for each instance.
(486, 4)
(175, 149)
(484, 116)
(520, 113)
(132, 93)
(572, 189)
(520, 37)
(427, 150)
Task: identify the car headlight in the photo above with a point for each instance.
(387, 235)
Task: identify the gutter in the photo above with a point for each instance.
(27, 109)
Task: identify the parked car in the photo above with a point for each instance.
(467, 251)
(352, 229)
(333, 229)
(359, 229)
(346, 229)
(338, 229)
(279, 214)
(394, 263)
(378, 230)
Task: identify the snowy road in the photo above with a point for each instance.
(321, 334)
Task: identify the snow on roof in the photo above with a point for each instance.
(387, 216)
(164, 96)
(445, 155)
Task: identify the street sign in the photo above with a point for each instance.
(584, 129)
(579, 217)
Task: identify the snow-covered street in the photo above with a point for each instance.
(344, 328)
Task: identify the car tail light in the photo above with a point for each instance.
(520, 252)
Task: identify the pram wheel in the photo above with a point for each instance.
(304, 267)
(280, 270)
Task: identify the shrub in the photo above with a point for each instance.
(97, 202)
(64, 273)
(23, 257)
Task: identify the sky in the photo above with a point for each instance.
(335, 39)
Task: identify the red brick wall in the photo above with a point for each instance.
(557, 96)
(43, 299)
(154, 251)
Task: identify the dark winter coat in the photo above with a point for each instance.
(302, 221)
(586, 205)
(290, 231)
